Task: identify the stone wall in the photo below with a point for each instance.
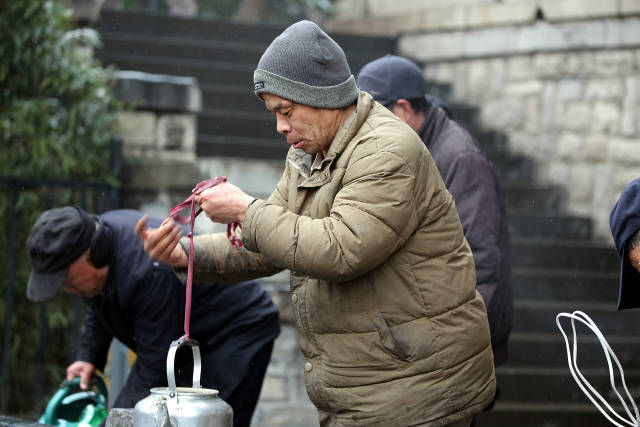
(560, 78)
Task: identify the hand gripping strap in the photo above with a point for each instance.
(175, 214)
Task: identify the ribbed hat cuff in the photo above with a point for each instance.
(337, 96)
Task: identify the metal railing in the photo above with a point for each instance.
(99, 197)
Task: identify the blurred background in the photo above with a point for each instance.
(128, 103)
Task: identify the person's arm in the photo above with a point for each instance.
(95, 340)
(372, 215)
(470, 181)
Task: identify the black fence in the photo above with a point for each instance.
(92, 196)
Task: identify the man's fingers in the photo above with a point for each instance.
(163, 241)
(141, 225)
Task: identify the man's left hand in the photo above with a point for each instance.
(224, 203)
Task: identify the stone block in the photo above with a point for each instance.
(477, 75)
(519, 68)
(630, 107)
(523, 88)
(613, 63)
(432, 47)
(595, 147)
(489, 42)
(502, 114)
(532, 114)
(629, 6)
(576, 115)
(581, 183)
(604, 89)
(274, 388)
(623, 32)
(287, 415)
(562, 10)
(568, 89)
(548, 105)
(605, 117)
(120, 417)
(138, 128)
(570, 147)
(492, 14)
(548, 64)
(450, 17)
(625, 152)
(155, 175)
(158, 92)
(177, 132)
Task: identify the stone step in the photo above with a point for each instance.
(234, 146)
(567, 254)
(567, 286)
(540, 317)
(513, 167)
(170, 47)
(546, 385)
(534, 197)
(153, 25)
(524, 223)
(549, 350)
(545, 414)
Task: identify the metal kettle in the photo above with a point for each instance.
(183, 406)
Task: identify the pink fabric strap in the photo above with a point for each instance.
(175, 214)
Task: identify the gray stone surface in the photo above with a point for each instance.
(158, 92)
(119, 417)
(6, 421)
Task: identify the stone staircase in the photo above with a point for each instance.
(222, 56)
(558, 266)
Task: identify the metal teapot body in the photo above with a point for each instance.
(183, 406)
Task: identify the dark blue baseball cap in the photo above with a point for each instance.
(57, 239)
(625, 221)
(390, 78)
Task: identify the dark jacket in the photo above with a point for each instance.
(471, 180)
(142, 305)
(625, 222)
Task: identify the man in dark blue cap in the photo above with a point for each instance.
(141, 302)
(398, 84)
(625, 229)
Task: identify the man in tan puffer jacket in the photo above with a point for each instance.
(382, 279)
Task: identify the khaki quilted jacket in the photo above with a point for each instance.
(382, 279)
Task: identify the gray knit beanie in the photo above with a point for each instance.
(305, 65)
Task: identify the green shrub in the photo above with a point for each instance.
(57, 120)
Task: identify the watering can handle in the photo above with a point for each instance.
(197, 365)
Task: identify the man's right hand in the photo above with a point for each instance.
(81, 369)
(162, 243)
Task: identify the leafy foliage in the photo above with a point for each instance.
(57, 120)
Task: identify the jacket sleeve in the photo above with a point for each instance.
(94, 340)
(470, 181)
(373, 214)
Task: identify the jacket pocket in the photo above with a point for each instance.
(387, 340)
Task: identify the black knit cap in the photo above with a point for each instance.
(306, 66)
(625, 221)
(57, 239)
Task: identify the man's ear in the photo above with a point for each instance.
(403, 109)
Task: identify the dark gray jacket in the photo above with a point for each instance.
(471, 180)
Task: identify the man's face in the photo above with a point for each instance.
(307, 128)
(634, 257)
(83, 279)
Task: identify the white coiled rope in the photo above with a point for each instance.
(585, 386)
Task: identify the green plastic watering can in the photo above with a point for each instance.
(72, 407)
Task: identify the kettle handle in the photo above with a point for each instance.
(197, 365)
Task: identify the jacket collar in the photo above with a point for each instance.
(303, 161)
(435, 120)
